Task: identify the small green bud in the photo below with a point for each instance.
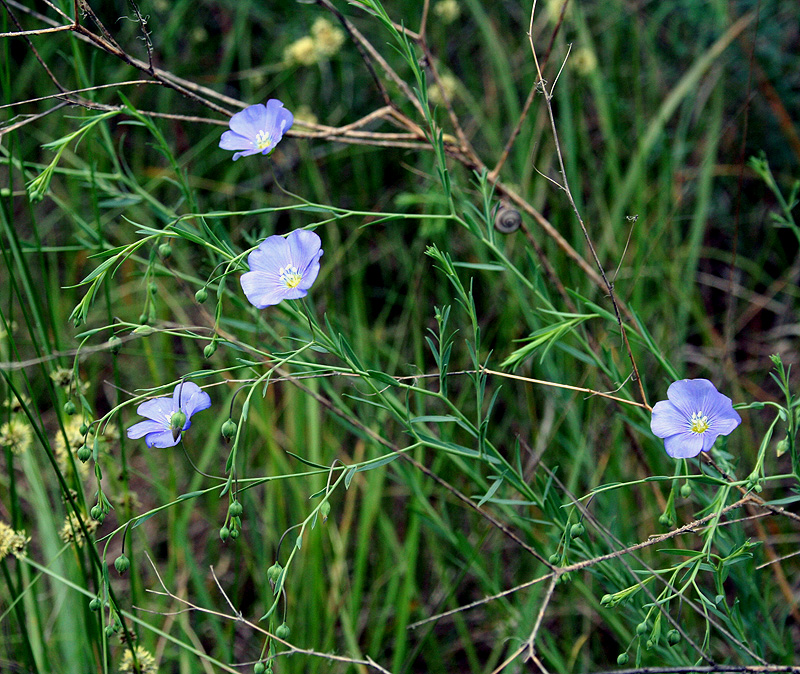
(177, 421)
(622, 659)
(325, 510)
(114, 344)
(234, 534)
(666, 520)
(782, 447)
(143, 319)
(577, 530)
(97, 513)
(555, 558)
(122, 564)
(606, 600)
(283, 631)
(648, 644)
(673, 637)
(686, 490)
(84, 454)
(109, 631)
(642, 627)
(165, 250)
(152, 288)
(224, 532)
(274, 572)
(235, 509)
(84, 429)
(201, 296)
(258, 668)
(758, 487)
(144, 329)
(69, 408)
(210, 349)
(228, 429)
(95, 604)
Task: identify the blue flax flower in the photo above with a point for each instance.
(169, 416)
(258, 128)
(695, 415)
(282, 268)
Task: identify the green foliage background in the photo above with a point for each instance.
(659, 108)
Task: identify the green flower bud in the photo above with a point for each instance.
(606, 600)
(758, 487)
(177, 421)
(84, 454)
(555, 558)
(673, 637)
(782, 447)
(143, 319)
(283, 631)
(122, 564)
(165, 250)
(666, 520)
(258, 668)
(274, 572)
(69, 408)
(622, 659)
(642, 627)
(686, 490)
(577, 530)
(235, 509)
(234, 534)
(210, 349)
(97, 513)
(224, 532)
(201, 296)
(95, 604)
(84, 429)
(648, 644)
(114, 344)
(228, 429)
(152, 288)
(325, 510)
(109, 631)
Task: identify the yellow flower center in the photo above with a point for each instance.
(263, 140)
(699, 423)
(289, 276)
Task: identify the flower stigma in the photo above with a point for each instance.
(289, 276)
(699, 423)
(263, 140)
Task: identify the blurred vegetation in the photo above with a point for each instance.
(677, 126)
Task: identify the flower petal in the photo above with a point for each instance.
(143, 428)
(162, 439)
(305, 252)
(250, 121)
(668, 420)
(157, 409)
(193, 399)
(272, 254)
(690, 395)
(684, 445)
(264, 289)
(231, 140)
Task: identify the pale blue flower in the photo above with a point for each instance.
(695, 415)
(258, 128)
(282, 268)
(169, 416)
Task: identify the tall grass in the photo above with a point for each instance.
(442, 457)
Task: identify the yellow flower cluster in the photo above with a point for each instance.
(323, 43)
(71, 530)
(11, 541)
(447, 10)
(146, 663)
(17, 435)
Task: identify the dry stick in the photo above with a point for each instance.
(73, 92)
(423, 24)
(528, 101)
(32, 48)
(565, 186)
(235, 616)
(16, 125)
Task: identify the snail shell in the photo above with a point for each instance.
(507, 220)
